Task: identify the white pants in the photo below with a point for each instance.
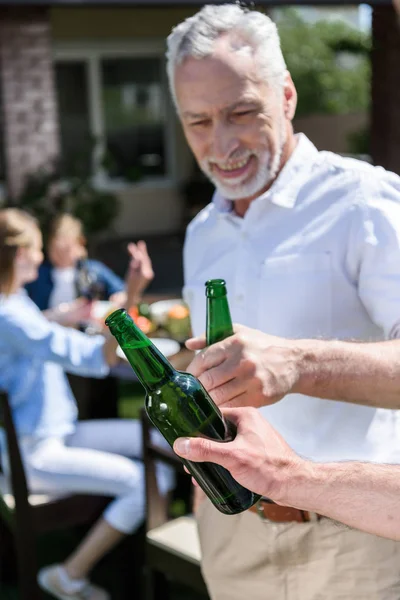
(100, 457)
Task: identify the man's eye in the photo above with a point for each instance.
(199, 123)
(243, 113)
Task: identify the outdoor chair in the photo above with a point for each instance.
(172, 548)
(27, 515)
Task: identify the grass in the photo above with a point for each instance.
(131, 399)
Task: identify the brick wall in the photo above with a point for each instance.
(385, 116)
(29, 103)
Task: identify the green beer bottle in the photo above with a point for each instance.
(179, 406)
(219, 322)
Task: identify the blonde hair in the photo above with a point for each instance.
(69, 226)
(17, 230)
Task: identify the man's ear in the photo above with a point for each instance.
(290, 97)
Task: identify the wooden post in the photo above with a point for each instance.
(385, 109)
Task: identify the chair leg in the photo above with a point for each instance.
(27, 572)
(8, 560)
(156, 585)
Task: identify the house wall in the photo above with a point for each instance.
(145, 208)
(115, 23)
(28, 99)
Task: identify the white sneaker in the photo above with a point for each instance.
(50, 580)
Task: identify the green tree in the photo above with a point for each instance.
(329, 63)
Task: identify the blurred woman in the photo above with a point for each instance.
(68, 273)
(60, 454)
(67, 283)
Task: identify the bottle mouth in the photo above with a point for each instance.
(118, 320)
(215, 288)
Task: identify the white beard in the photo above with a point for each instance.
(268, 168)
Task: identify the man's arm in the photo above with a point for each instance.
(252, 368)
(363, 496)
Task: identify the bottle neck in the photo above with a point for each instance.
(149, 364)
(219, 323)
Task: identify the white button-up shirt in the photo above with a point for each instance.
(316, 256)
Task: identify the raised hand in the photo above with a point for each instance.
(139, 273)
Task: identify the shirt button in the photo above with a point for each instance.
(239, 298)
(244, 235)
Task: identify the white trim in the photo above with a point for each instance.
(96, 115)
(91, 52)
(100, 48)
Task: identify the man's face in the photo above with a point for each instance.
(234, 123)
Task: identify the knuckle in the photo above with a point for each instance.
(219, 395)
(207, 380)
(239, 340)
(248, 366)
(242, 459)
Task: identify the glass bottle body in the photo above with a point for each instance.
(179, 406)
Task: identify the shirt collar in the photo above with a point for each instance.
(283, 191)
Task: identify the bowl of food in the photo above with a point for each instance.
(146, 324)
(159, 310)
(172, 315)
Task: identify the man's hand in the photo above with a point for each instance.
(249, 368)
(139, 273)
(70, 314)
(258, 458)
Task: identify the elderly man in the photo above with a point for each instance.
(309, 244)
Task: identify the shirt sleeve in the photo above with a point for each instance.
(376, 244)
(112, 282)
(30, 334)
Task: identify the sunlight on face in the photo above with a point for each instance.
(29, 259)
(233, 121)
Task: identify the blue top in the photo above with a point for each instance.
(33, 356)
(40, 289)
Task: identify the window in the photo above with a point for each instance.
(72, 95)
(114, 108)
(134, 116)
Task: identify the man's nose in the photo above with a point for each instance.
(224, 142)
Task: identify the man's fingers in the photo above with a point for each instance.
(209, 358)
(196, 343)
(202, 450)
(222, 387)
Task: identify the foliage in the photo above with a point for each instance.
(329, 63)
(69, 188)
(359, 142)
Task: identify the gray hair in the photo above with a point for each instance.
(250, 30)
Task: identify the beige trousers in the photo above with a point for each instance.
(245, 558)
